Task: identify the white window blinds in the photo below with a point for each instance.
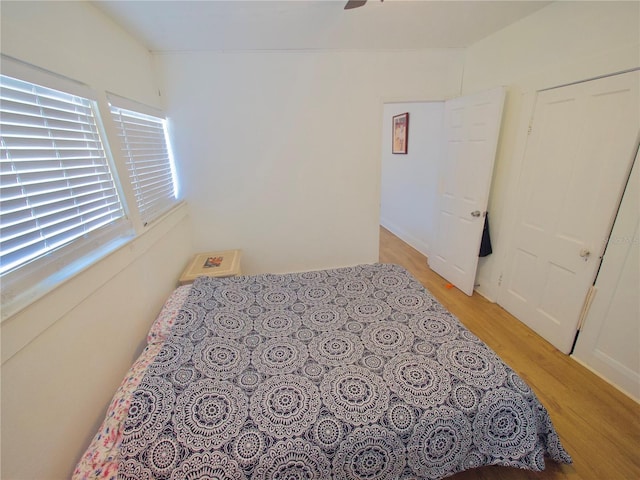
(146, 149)
(55, 182)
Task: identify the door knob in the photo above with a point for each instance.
(584, 253)
(476, 213)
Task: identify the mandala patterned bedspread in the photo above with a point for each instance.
(353, 373)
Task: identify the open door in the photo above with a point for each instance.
(472, 127)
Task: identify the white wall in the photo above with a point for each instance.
(562, 43)
(281, 151)
(410, 182)
(76, 40)
(64, 355)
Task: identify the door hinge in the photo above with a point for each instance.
(586, 306)
(530, 129)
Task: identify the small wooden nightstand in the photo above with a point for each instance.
(212, 264)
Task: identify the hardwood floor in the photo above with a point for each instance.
(598, 425)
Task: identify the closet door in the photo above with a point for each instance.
(471, 129)
(609, 339)
(577, 161)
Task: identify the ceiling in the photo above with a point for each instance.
(239, 25)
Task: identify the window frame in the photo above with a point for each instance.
(119, 102)
(33, 279)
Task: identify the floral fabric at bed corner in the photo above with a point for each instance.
(100, 461)
(347, 373)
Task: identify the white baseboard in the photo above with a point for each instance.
(402, 234)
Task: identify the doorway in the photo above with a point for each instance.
(435, 196)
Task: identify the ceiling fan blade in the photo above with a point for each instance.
(354, 4)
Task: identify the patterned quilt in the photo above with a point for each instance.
(353, 373)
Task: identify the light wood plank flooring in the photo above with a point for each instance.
(598, 425)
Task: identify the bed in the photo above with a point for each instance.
(350, 373)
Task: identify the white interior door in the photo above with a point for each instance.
(609, 340)
(578, 158)
(471, 129)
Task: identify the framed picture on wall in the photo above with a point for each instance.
(400, 133)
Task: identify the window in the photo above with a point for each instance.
(57, 186)
(70, 180)
(145, 147)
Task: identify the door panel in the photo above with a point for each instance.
(472, 126)
(609, 340)
(577, 160)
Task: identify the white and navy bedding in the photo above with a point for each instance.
(352, 373)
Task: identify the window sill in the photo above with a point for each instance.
(27, 315)
(13, 303)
